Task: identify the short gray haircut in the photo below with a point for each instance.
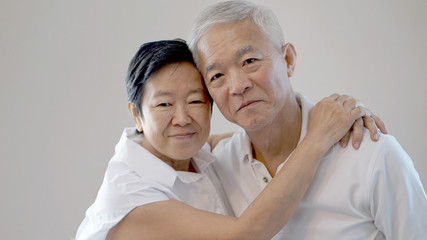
(232, 12)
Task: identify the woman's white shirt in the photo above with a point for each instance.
(135, 177)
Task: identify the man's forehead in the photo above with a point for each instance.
(219, 34)
(222, 35)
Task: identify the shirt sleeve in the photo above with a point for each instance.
(119, 194)
(397, 197)
(126, 191)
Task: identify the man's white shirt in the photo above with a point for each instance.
(370, 193)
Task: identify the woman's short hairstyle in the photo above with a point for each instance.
(235, 11)
(148, 60)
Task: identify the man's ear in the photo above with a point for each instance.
(135, 116)
(290, 56)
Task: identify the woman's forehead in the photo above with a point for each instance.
(182, 77)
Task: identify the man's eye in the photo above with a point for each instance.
(249, 61)
(216, 76)
(196, 101)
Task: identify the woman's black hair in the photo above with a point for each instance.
(151, 57)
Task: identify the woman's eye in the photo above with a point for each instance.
(163, 104)
(216, 76)
(196, 101)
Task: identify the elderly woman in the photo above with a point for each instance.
(160, 184)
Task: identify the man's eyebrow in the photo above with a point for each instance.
(210, 68)
(242, 51)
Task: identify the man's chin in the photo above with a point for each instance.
(254, 123)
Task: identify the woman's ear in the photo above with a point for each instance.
(290, 56)
(135, 116)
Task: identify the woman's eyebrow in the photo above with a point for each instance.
(162, 94)
(196, 90)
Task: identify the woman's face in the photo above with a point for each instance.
(175, 112)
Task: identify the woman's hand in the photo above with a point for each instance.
(373, 123)
(332, 118)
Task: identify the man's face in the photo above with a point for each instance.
(244, 73)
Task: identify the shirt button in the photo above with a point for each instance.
(265, 179)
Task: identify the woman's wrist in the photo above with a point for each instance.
(317, 144)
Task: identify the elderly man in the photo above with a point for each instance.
(370, 193)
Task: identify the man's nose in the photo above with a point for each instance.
(181, 116)
(239, 83)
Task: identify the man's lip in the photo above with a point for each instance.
(245, 104)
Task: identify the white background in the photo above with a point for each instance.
(63, 100)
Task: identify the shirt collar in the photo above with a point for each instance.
(149, 166)
(201, 161)
(305, 105)
(143, 162)
(246, 147)
(203, 158)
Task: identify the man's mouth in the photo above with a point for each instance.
(246, 104)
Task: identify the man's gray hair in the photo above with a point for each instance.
(235, 11)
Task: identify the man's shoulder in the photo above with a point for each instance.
(369, 146)
(386, 144)
(384, 153)
(392, 153)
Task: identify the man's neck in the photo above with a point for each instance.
(273, 144)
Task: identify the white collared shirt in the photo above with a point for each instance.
(370, 193)
(135, 177)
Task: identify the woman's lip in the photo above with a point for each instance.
(183, 135)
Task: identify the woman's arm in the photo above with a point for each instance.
(263, 218)
(370, 121)
(373, 123)
(214, 139)
(269, 212)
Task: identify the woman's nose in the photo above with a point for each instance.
(181, 116)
